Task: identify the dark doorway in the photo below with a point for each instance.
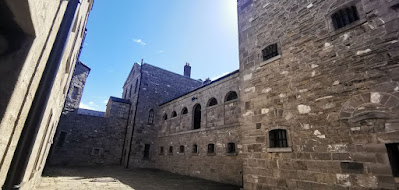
(146, 151)
(197, 116)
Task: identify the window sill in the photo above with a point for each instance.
(232, 101)
(270, 60)
(231, 154)
(211, 154)
(287, 149)
(335, 32)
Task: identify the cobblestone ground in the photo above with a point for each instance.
(120, 178)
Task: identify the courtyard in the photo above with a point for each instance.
(100, 178)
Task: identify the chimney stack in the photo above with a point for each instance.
(187, 70)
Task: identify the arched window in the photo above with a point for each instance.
(197, 116)
(184, 111)
(195, 148)
(181, 149)
(211, 148)
(165, 117)
(278, 138)
(231, 148)
(151, 116)
(231, 96)
(174, 114)
(212, 102)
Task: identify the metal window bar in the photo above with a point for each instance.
(270, 52)
(345, 17)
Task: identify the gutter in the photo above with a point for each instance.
(31, 128)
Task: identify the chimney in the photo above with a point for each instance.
(187, 70)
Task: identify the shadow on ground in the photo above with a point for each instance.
(137, 179)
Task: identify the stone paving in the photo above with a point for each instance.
(106, 178)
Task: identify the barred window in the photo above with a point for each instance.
(231, 148)
(344, 17)
(151, 116)
(278, 138)
(270, 52)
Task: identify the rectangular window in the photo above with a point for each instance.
(393, 154)
(96, 152)
(61, 139)
(75, 92)
(231, 148)
(270, 52)
(161, 151)
(171, 150)
(181, 149)
(278, 138)
(195, 148)
(146, 152)
(211, 148)
(344, 17)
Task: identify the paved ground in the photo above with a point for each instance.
(120, 178)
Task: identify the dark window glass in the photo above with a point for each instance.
(171, 150)
(211, 148)
(151, 117)
(197, 116)
(212, 102)
(344, 17)
(75, 92)
(270, 52)
(61, 139)
(181, 150)
(174, 114)
(161, 151)
(184, 111)
(195, 148)
(231, 96)
(231, 148)
(146, 151)
(393, 154)
(165, 117)
(278, 138)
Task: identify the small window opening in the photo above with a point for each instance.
(212, 102)
(96, 152)
(270, 52)
(344, 17)
(184, 111)
(278, 138)
(171, 150)
(211, 148)
(75, 93)
(174, 114)
(181, 149)
(197, 116)
(146, 153)
(151, 116)
(231, 148)
(231, 96)
(195, 148)
(165, 117)
(393, 154)
(161, 150)
(61, 139)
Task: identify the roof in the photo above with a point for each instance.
(180, 75)
(217, 80)
(84, 64)
(115, 99)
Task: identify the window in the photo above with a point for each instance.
(75, 93)
(231, 148)
(211, 148)
(146, 153)
(165, 117)
(161, 151)
(212, 102)
(231, 96)
(61, 139)
(278, 138)
(393, 154)
(344, 17)
(181, 149)
(174, 114)
(171, 150)
(197, 116)
(151, 116)
(184, 111)
(137, 85)
(96, 152)
(269, 52)
(195, 148)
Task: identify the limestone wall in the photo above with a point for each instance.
(334, 91)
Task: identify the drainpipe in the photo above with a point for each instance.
(124, 140)
(28, 136)
(135, 113)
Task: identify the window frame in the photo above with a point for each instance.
(151, 116)
(229, 153)
(180, 149)
(231, 100)
(173, 115)
(360, 11)
(279, 149)
(213, 149)
(214, 102)
(196, 148)
(184, 111)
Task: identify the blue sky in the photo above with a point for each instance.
(166, 34)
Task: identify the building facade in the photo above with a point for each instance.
(319, 94)
(40, 43)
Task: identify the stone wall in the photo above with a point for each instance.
(219, 126)
(36, 23)
(83, 140)
(75, 91)
(335, 92)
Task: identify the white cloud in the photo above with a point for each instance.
(161, 51)
(139, 41)
(85, 106)
(105, 101)
(216, 77)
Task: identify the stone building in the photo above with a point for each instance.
(40, 42)
(319, 89)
